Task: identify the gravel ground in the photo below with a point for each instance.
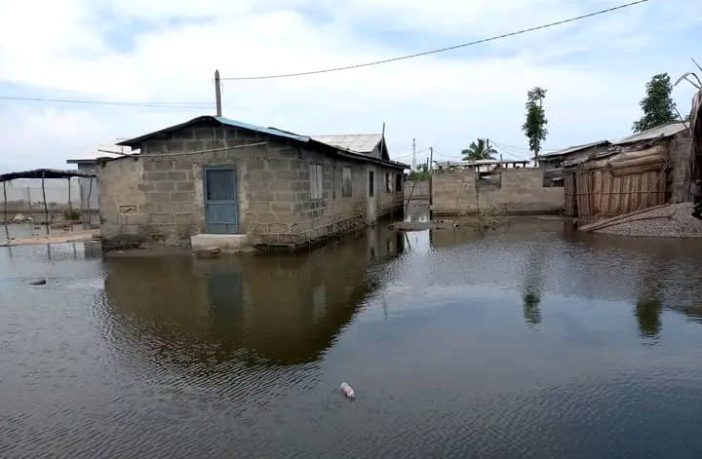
(674, 220)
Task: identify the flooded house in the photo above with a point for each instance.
(213, 181)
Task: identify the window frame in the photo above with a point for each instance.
(316, 182)
(346, 182)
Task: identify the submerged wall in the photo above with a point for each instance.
(519, 191)
(160, 199)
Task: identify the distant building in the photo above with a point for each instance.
(216, 181)
(552, 163)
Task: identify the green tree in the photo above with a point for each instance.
(658, 107)
(480, 149)
(535, 125)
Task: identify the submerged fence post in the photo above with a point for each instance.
(46, 209)
(70, 204)
(4, 192)
(90, 192)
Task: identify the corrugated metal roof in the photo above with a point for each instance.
(344, 151)
(264, 130)
(43, 173)
(576, 148)
(222, 120)
(663, 131)
(359, 143)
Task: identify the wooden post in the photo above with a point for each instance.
(46, 209)
(90, 192)
(70, 205)
(431, 181)
(82, 203)
(4, 192)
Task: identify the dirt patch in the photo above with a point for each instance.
(674, 220)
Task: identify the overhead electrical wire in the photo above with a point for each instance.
(114, 103)
(439, 50)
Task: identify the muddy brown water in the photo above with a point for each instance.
(523, 342)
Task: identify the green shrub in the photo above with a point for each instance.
(71, 215)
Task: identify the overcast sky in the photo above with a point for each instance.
(167, 50)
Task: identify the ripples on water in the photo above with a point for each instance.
(525, 342)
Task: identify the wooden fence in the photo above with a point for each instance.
(625, 183)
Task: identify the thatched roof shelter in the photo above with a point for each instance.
(38, 174)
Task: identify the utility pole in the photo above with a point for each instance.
(218, 93)
(414, 154)
(431, 181)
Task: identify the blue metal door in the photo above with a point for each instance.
(221, 200)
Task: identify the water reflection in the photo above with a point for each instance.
(281, 309)
(648, 305)
(536, 258)
(533, 283)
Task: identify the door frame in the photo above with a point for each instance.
(371, 201)
(237, 202)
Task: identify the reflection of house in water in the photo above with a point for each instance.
(283, 309)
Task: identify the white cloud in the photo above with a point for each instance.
(594, 71)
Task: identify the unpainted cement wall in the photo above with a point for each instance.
(416, 189)
(521, 192)
(161, 199)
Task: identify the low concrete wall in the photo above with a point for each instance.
(520, 191)
(416, 190)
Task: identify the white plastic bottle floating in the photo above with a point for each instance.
(347, 390)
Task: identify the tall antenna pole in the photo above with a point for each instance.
(414, 154)
(218, 93)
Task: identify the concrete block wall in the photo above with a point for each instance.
(521, 192)
(165, 195)
(417, 190)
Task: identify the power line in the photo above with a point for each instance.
(439, 50)
(115, 103)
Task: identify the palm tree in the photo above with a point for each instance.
(479, 150)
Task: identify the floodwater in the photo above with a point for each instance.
(524, 342)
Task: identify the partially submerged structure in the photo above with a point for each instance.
(501, 190)
(43, 175)
(217, 181)
(634, 173)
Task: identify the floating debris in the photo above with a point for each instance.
(38, 282)
(348, 390)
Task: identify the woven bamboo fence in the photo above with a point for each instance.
(623, 183)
